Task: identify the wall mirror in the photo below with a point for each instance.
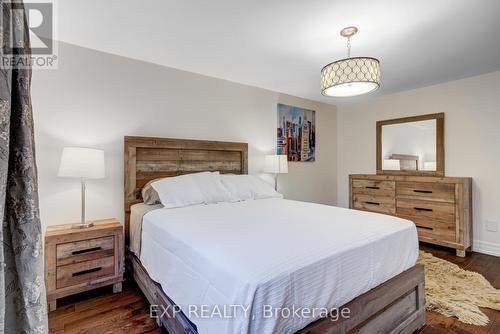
(411, 145)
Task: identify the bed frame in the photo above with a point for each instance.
(396, 306)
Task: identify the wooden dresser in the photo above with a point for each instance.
(440, 207)
(78, 260)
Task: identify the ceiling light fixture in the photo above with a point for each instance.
(350, 76)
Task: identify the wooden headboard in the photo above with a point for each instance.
(149, 158)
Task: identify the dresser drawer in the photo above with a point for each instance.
(382, 204)
(374, 187)
(434, 220)
(435, 230)
(444, 192)
(73, 274)
(426, 210)
(85, 250)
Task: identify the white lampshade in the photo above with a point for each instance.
(350, 77)
(79, 162)
(391, 164)
(277, 164)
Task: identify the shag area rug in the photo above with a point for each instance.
(453, 291)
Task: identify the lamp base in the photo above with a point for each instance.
(82, 225)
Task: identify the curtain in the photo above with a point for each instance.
(22, 287)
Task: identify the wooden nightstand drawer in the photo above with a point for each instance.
(78, 260)
(73, 274)
(85, 250)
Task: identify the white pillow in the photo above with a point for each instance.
(191, 189)
(244, 187)
(238, 186)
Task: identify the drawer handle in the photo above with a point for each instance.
(83, 272)
(88, 250)
(422, 191)
(372, 187)
(425, 228)
(423, 209)
(372, 203)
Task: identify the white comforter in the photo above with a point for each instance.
(271, 252)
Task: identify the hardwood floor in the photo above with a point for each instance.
(101, 311)
(489, 267)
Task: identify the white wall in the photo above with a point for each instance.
(94, 99)
(472, 140)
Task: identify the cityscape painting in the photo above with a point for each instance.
(296, 133)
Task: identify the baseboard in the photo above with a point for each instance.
(485, 247)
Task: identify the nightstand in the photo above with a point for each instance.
(78, 260)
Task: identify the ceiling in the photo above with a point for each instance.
(281, 45)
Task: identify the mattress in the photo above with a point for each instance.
(236, 267)
(137, 212)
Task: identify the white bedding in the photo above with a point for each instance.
(271, 252)
(137, 212)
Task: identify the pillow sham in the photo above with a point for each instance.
(238, 186)
(244, 187)
(191, 189)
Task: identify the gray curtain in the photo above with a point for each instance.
(22, 288)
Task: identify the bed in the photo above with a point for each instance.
(281, 253)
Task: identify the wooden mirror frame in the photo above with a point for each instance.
(439, 145)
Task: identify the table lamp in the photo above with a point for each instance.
(84, 164)
(276, 164)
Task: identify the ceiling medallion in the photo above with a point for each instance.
(350, 76)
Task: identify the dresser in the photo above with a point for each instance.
(440, 207)
(78, 260)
